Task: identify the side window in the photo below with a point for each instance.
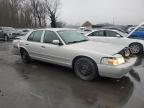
(111, 33)
(35, 36)
(97, 33)
(140, 29)
(50, 36)
(30, 38)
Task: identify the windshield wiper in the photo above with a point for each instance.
(77, 41)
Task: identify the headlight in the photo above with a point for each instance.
(113, 61)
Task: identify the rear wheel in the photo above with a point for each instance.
(6, 38)
(86, 69)
(25, 56)
(136, 48)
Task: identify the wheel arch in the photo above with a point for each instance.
(22, 48)
(136, 43)
(80, 56)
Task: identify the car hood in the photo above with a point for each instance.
(97, 47)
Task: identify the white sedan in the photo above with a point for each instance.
(69, 48)
(118, 38)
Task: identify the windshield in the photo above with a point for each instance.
(137, 32)
(140, 29)
(72, 36)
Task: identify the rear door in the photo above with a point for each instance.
(114, 37)
(33, 44)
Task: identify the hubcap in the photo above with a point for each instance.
(84, 69)
(135, 49)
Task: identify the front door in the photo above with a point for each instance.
(52, 52)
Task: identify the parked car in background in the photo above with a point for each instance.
(69, 48)
(3, 36)
(131, 29)
(121, 29)
(9, 32)
(118, 38)
(138, 33)
(23, 32)
(84, 30)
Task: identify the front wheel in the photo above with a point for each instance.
(86, 69)
(136, 48)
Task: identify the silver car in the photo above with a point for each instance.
(118, 38)
(69, 48)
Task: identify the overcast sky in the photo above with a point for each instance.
(101, 11)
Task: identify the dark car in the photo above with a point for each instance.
(3, 36)
(8, 33)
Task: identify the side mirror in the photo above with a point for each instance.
(56, 42)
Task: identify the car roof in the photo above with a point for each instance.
(6, 27)
(56, 29)
(104, 29)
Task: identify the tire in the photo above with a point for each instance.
(25, 56)
(85, 69)
(136, 48)
(6, 38)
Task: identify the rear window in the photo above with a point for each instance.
(35, 36)
(97, 33)
(140, 29)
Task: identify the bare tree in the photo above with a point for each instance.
(52, 7)
(61, 24)
(27, 18)
(14, 7)
(34, 6)
(4, 13)
(39, 12)
(29, 13)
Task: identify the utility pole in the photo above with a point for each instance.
(113, 19)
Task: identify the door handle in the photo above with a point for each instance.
(43, 46)
(26, 44)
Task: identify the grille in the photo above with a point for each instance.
(125, 52)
